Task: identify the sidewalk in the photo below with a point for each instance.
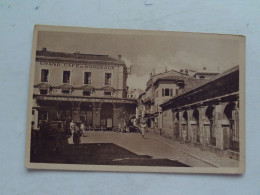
(205, 156)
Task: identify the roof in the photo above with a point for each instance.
(201, 82)
(74, 56)
(169, 75)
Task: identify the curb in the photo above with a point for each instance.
(192, 155)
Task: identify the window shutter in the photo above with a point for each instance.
(171, 92)
(163, 92)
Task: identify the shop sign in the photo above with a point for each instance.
(76, 65)
(85, 99)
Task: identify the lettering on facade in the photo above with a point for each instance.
(75, 65)
(85, 100)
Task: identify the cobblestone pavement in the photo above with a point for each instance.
(152, 146)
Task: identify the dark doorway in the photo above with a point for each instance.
(106, 116)
(86, 113)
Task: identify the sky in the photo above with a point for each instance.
(149, 52)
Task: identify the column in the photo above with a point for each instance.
(180, 124)
(201, 125)
(189, 129)
(116, 115)
(96, 116)
(219, 116)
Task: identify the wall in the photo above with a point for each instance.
(77, 78)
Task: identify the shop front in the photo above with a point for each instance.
(95, 113)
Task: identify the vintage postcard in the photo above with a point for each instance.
(136, 101)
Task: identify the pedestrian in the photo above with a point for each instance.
(119, 127)
(76, 136)
(123, 126)
(143, 128)
(72, 127)
(83, 129)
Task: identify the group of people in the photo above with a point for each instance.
(122, 127)
(77, 131)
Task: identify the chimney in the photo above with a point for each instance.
(119, 57)
(44, 49)
(154, 71)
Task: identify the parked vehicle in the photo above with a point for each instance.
(133, 129)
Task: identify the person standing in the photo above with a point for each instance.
(83, 129)
(143, 128)
(72, 127)
(76, 136)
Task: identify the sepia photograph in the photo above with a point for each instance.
(136, 101)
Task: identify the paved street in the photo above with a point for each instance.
(111, 148)
(144, 147)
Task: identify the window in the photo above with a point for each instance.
(87, 78)
(66, 76)
(32, 112)
(202, 77)
(44, 75)
(107, 93)
(66, 91)
(167, 92)
(181, 86)
(86, 93)
(108, 77)
(43, 91)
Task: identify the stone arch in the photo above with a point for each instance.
(65, 110)
(184, 125)
(210, 131)
(176, 125)
(86, 113)
(195, 127)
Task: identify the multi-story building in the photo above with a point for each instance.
(81, 87)
(160, 88)
(205, 74)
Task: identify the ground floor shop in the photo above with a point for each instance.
(93, 112)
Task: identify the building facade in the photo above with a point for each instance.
(160, 88)
(207, 115)
(81, 87)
